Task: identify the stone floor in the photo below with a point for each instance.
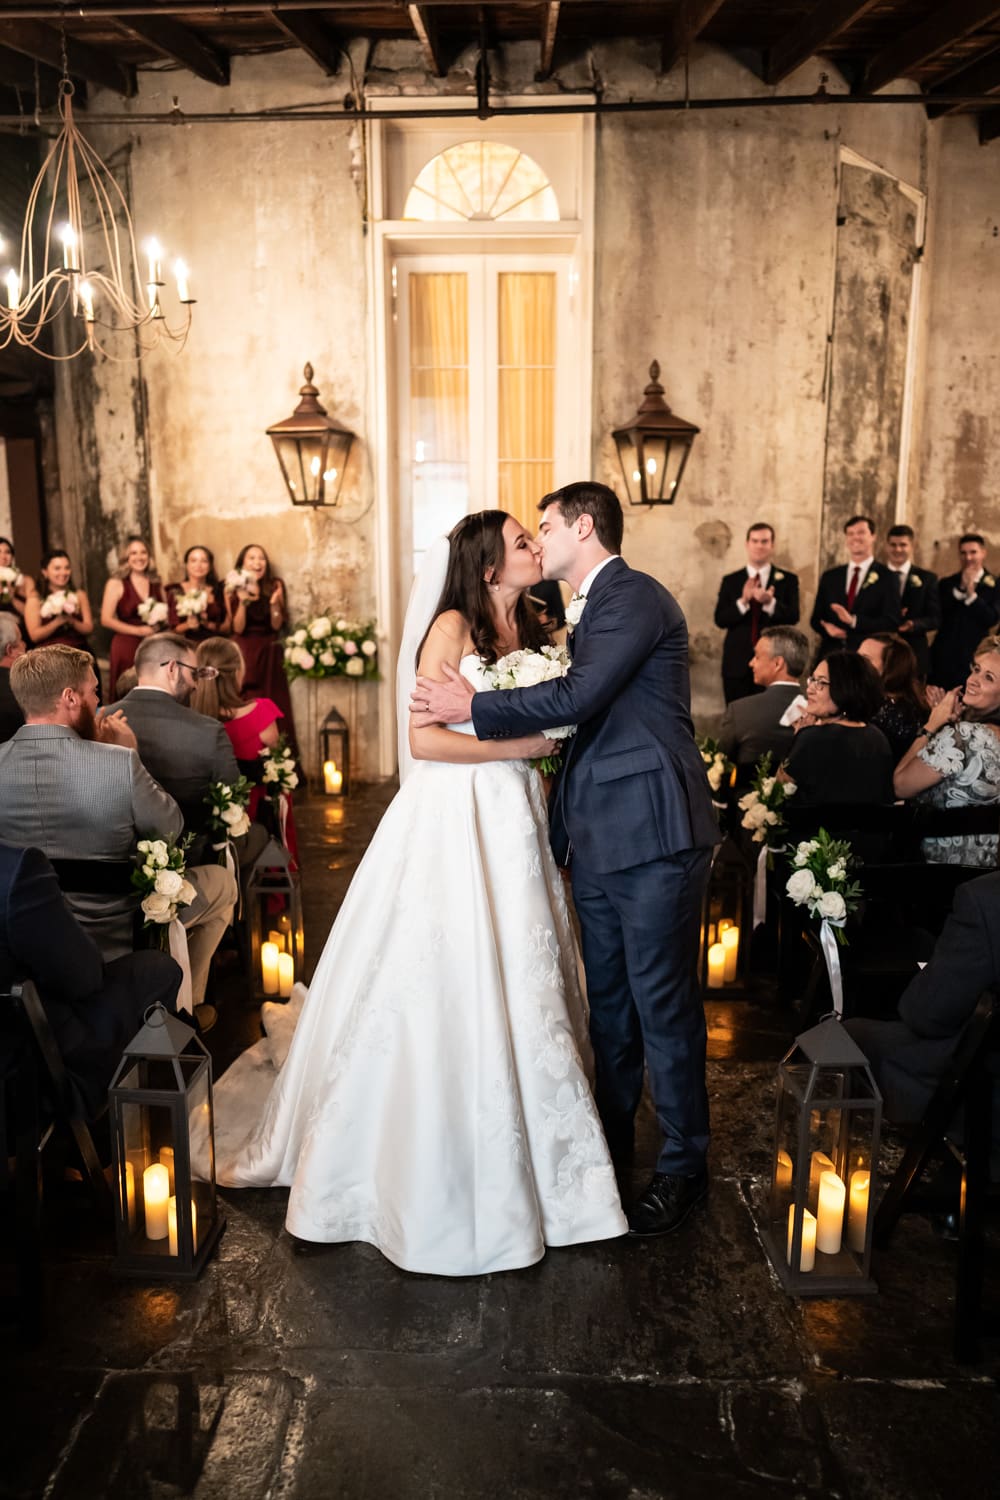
(621, 1371)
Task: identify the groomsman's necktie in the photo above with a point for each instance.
(852, 588)
(901, 580)
(754, 613)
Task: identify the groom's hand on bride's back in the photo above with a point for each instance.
(445, 702)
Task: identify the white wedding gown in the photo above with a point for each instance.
(433, 1100)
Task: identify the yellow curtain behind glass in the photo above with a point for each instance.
(526, 391)
(439, 366)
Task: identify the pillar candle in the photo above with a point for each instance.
(783, 1171)
(167, 1160)
(275, 937)
(710, 940)
(716, 966)
(723, 924)
(818, 1162)
(731, 944)
(286, 974)
(333, 780)
(155, 1192)
(807, 1255)
(857, 1210)
(830, 1213)
(269, 967)
(172, 1225)
(130, 1195)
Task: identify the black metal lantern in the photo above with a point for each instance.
(312, 450)
(829, 1119)
(653, 448)
(725, 923)
(163, 1141)
(335, 754)
(274, 922)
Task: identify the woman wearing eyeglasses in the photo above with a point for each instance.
(955, 759)
(838, 755)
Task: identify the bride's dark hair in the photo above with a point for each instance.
(477, 546)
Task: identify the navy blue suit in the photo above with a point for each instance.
(632, 815)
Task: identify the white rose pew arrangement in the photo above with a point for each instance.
(279, 779)
(718, 768)
(228, 818)
(160, 879)
(820, 881)
(520, 669)
(762, 818)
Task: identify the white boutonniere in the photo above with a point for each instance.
(916, 580)
(872, 578)
(574, 610)
(989, 580)
(778, 577)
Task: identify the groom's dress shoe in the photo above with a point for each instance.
(666, 1203)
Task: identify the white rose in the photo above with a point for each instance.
(832, 905)
(233, 814)
(341, 624)
(756, 817)
(337, 640)
(790, 788)
(355, 667)
(350, 648)
(158, 908)
(270, 771)
(767, 786)
(303, 658)
(837, 870)
(327, 658)
(243, 826)
(143, 846)
(158, 853)
(748, 800)
(149, 871)
(801, 886)
(574, 610)
(715, 778)
(186, 894)
(369, 648)
(168, 883)
(320, 628)
(291, 781)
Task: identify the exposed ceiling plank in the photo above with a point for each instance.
(550, 25)
(815, 31)
(18, 72)
(983, 77)
(181, 45)
(989, 126)
(83, 61)
(942, 28)
(424, 25)
(309, 33)
(688, 20)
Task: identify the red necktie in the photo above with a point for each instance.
(754, 615)
(852, 589)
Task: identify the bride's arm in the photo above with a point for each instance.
(447, 642)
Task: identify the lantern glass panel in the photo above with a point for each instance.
(628, 457)
(655, 451)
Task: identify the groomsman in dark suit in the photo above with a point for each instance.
(970, 607)
(858, 600)
(749, 600)
(919, 602)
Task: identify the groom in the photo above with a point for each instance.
(632, 817)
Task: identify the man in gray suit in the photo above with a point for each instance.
(75, 787)
(752, 726)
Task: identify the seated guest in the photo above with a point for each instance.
(94, 1008)
(838, 755)
(12, 646)
(955, 759)
(75, 787)
(910, 1056)
(752, 726)
(904, 703)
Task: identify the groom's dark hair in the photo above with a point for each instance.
(585, 498)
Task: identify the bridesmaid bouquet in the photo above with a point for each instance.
(328, 647)
(525, 669)
(153, 612)
(161, 883)
(9, 580)
(61, 602)
(191, 604)
(235, 579)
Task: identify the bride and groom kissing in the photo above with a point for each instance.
(433, 1097)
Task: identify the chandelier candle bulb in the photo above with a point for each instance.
(87, 299)
(731, 948)
(716, 966)
(68, 236)
(155, 1192)
(830, 1213)
(183, 289)
(154, 252)
(13, 291)
(807, 1255)
(286, 974)
(857, 1210)
(269, 967)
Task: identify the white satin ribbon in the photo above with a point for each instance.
(177, 939)
(828, 942)
(283, 803)
(760, 889)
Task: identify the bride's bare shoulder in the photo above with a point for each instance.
(452, 625)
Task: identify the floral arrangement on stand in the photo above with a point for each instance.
(227, 816)
(821, 881)
(59, 602)
(10, 579)
(161, 882)
(153, 612)
(191, 604)
(521, 669)
(328, 647)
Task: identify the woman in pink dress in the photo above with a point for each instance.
(199, 578)
(135, 581)
(258, 610)
(250, 723)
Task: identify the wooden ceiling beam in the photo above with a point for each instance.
(425, 26)
(83, 61)
(550, 25)
(982, 77)
(817, 30)
(921, 44)
(308, 32)
(181, 45)
(684, 27)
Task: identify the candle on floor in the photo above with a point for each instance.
(269, 967)
(731, 944)
(333, 780)
(818, 1162)
(286, 974)
(807, 1255)
(716, 966)
(167, 1160)
(275, 937)
(172, 1225)
(830, 1213)
(857, 1210)
(155, 1192)
(783, 1171)
(130, 1194)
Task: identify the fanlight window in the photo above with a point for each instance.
(481, 180)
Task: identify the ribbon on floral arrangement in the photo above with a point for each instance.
(829, 945)
(178, 942)
(229, 860)
(760, 889)
(284, 802)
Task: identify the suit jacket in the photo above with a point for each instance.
(184, 751)
(876, 606)
(633, 786)
(11, 717)
(751, 728)
(963, 626)
(737, 648)
(920, 606)
(78, 799)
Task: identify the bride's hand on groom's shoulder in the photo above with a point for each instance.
(441, 702)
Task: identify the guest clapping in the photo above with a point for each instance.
(838, 755)
(129, 607)
(198, 606)
(11, 647)
(259, 612)
(955, 760)
(57, 613)
(904, 703)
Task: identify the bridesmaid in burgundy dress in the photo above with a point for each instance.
(259, 613)
(13, 595)
(61, 629)
(134, 583)
(199, 577)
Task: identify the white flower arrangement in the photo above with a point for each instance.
(574, 610)
(191, 604)
(520, 669)
(323, 646)
(10, 581)
(718, 767)
(236, 579)
(153, 612)
(227, 804)
(161, 882)
(819, 880)
(278, 772)
(59, 602)
(761, 806)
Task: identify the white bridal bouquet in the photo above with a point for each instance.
(191, 604)
(160, 881)
(153, 612)
(521, 669)
(60, 602)
(761, 806)
(328, 647)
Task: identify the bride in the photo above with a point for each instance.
(433, 1101)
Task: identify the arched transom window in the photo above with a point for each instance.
(481, 180)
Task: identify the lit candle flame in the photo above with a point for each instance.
(154, 251)
(87, 298)
(181, 273)
(68, 236)
(13, 290)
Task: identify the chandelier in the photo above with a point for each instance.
(87, 274)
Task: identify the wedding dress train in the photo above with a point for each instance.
(433, 1100)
